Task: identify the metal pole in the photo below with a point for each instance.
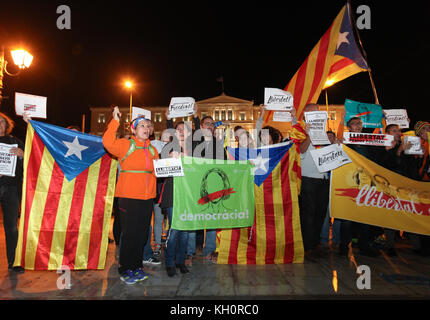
(1, 73)
(131, 103)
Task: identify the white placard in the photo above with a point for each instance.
(181, 107)
(139, 112)
(7, 160)
(282, 116)
(278, 100)
(169, 167)
(397, 116)
(34, 106)
(330, 157)
(416, 147)
(368, 139)
(318, 124)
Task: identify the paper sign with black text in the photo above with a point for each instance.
(282, 116)
(7, 160)
(368, 139)
(34, 106)
(397, 116)
(181, 107)
(330, 157)
(278, 100)
(169, 167)
(416, 147)
(139, 112)
(318, 123)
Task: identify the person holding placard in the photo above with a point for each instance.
(10, 185)
(421, 130)
(135, 189)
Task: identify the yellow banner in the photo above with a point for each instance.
(365, 192)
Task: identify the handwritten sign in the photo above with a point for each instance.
(169, 167)
(278, 100)
(330, 157)
(34, 106)
(181, 107)
(397, 116)
(318, 122)
(139, 112)
(369, 139)
(416, 147)
(7, 160)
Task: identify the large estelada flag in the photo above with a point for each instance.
(335, 57)
(365, 192)
(68, 191)
(275, 237)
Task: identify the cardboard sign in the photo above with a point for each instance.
(318, 124)
(7, 160)
(397, 116)
(139, 112)
(416, 147)
(330, 157)
(278, 100)
(181, 107)
(282, 116)
(370, 114)
(368, 139)
(34, 106)
(169, 167)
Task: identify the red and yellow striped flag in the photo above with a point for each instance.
(334, 58)
(64, 223)
(275, 237)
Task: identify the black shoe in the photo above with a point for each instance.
(343, 251)
(110, 240)
(391, 252)
(370, 252)
(182, 268)
(171, 271)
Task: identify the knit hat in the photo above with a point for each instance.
(136, 121)
(419, 126)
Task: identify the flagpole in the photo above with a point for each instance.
(353, 22)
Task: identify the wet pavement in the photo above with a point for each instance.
(323, 275)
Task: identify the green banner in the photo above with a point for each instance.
(213, 194)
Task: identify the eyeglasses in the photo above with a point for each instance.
(209, 124)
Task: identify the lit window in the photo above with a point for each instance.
(102, 118)
(332, 115)
(157, 117)
(230, 115)
(157, 135)
(242, 116)
(217, 115)
(223, 115)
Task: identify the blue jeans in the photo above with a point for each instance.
(325, 231)
(176, 244)
(210, 242)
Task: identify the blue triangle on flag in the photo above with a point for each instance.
(265, 158)
(73, 151)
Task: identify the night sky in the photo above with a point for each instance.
(177, 49)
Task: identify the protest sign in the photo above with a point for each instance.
(282, 116)
(369, 139)
(139, 112)
(366, 192)
(213, 195)
(278, 100)
(318, 122)
(169, 167)
(7, 160)
(181, 107)
(370, 114)
(330, 157)
(34, 106)
(397, 116)
(416, 147)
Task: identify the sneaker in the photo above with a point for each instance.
(189, 261)
(128, 277)
(182, 268)
(157, 249)
(153, 261)
(210, 258)
(171, 271)
(140, 275)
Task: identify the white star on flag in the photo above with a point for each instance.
(342, 39)
(260, 164)
(74, 148)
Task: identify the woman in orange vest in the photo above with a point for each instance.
(135, 189)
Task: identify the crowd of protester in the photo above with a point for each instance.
(141, 197)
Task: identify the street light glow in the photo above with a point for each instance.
(128, 84)
(21, 58)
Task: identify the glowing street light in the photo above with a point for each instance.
(20, 57)
(129, 85)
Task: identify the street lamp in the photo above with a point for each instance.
(129, 85)
(20, 57)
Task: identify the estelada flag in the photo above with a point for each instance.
(68, 191)
(335, 57)
(275, 237)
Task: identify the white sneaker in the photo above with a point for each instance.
(152, 260)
